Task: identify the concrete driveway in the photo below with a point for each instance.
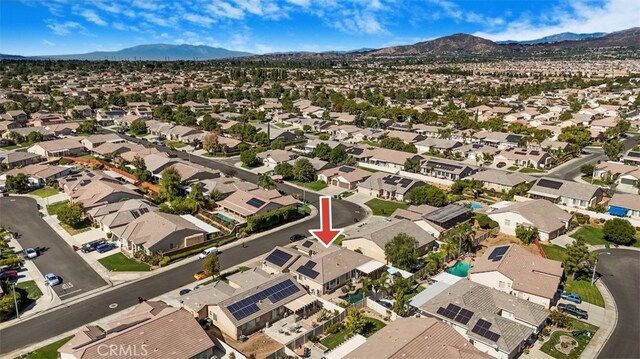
(21, 215)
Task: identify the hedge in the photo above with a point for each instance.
(273, 218)
(485, 222)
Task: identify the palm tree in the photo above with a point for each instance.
(449, 248)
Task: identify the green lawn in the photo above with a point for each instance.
(371, 326)
(54, 208)
(595, 236)
(30, 286)
(83, 226)
(513, 168)
(120, 263)
(338, 241)
(282, 125)
(346, 194)
(589, 293)
(174, 144)
(553, 252)
(314, 186)
(549, 346)
(593, 181)
(48, 351)
(532, 170)
(384, 208)
(368, 169)
(44, 192)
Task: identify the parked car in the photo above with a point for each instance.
(9, 274)
(278, 180)
(573, 310)
(577, 333)
(297, 237)
(207, 252)
(91, 246)
(200, 275)
(30, 253)
(572, 297)
(385, 303)
(52, 279)
(105, 247)
(185, 291)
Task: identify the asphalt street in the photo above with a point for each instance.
(57, 322)
(619, 271)
(20, 214)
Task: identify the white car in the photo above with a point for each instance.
(207, 252)
(52, 279)
(30, 253)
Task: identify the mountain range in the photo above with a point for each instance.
(456, 44)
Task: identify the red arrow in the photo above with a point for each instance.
(326, 234)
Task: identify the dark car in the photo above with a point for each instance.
(91, 246)
(9, 274)
(385, 304)
(577, 333)
(573, 310)
(296, 237)
(105, 247)
(185, 291)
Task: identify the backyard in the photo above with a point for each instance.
(120, 263)
(371, 326)
(44, 192)
(384, 208)
(549, 347)
(48, 351)
(595, 236)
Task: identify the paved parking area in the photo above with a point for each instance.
(20, 214)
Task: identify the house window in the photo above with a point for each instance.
(502, 284)
(507, 222)
(214, 317)
(171, 245)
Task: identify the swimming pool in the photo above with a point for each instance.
(475, 205)
(225, 218)
(460, 269)
(355, 297)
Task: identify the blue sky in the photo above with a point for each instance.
(49, 27)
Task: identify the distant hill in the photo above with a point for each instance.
(12, 57)
(565, 36)
(158, 52)
(452, 44)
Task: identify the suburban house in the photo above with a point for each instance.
(23, 133)
(272, 158)
(19, 159)
(96, 190)
(497, 323)
(223, 187)
(118, 214)
(108, 116)
(439, 145)
(416, 338)
(625, 205)
(476, 152)
(549, 219)
(248, 203)
(443, 219)
(388, 160)
(371, 239)
(500, 140)
(39, 174)
(249, 302)
(346, 177)
(631, 157)
(626, 176)
(514, 270)
(388, 186)
(168, 333)
(81, 111)
(155, 232)
(501, 181)
(523, 158)
(413, 212)
(447, 169)
(567, 193)
(58, 148)
(92, 142)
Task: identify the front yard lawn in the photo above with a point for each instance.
(83, 226)
(549, 346)
(371, 326)
(582, 287)
(381, 207)
(44, 192)
(174, 144)
(532, 170)
(553, 251)
(31, 288)
(282, 125)
(120, 263)
(314, 186)
(595, 236)
(53, 208)
(346, 194)
(48, 351)
(513, 168)
(368, 169)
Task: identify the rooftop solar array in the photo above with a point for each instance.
(346, 169)
(255, 202)
(549, 184)
(139, 212)
(513, 138)
(633, 154)
(456, 313)
(275, 293)
(441, 166)
(447, 213)
(307, 270)
(482, 329)
(497, 253)
(307, 244)
(535, 153)
(278, 257)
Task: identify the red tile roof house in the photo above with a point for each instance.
(152, 330)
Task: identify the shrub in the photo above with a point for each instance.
(65, 161)
(270, 219)
(12, 261)
(334, 328)
(485, 222)
(164, 261)
(619, 231)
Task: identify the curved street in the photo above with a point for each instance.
(57, 322)
(619, 270)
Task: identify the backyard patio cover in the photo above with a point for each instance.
(300, 303)
(370, 266)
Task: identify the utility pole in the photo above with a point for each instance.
(15, 301)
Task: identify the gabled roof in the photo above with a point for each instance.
(553, 187)
(504, 178)
(327, 264)
(383, 232)
(541, 213)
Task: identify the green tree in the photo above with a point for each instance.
(70, 214)
(34, 136)
(577, 135)
(427, 194)
(140, 170)
(412, 165)
(401, 251)
(170, 184)
(587, 169)
(355, 321)
(434, 262)
(322, 151)
(210, 142)
(303, 170)
(527, 234)
(17, 184)
(619, 231)
(196, 194)
(7, 304)
(88, 127)
(211, 265)
(138, 127)
(277, 144)
(400, 305)
(284, 169)
(163, 113)
(208, 123)
(265, 181)
(249, 158)
(613, 149)
(462, 236)
(337, 155)
(559, 319)
(578, 259)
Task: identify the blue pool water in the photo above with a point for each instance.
(355, 297)
(475, 205)
(460, 269)
(225, 218)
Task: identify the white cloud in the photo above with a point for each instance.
(199, 19)
(578, 16)
(158, 20)
(47, 42)
(64, 28)
(224, 9)
(93, 17)
(303, 3)
(151, 5)
(358, 22)
(124, 27)
(453, 11)
(108, 7)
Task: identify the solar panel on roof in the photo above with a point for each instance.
(346, 169)
(497, 253)
(307, 244)
(464, 316)
(310, 264)
(633, 154)
(405, 182)
(549, 183)
(535, 153)
(275, 293)
(255, 202)
(482, 329)
(278, 257)
(450, 311)
(306, 271)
